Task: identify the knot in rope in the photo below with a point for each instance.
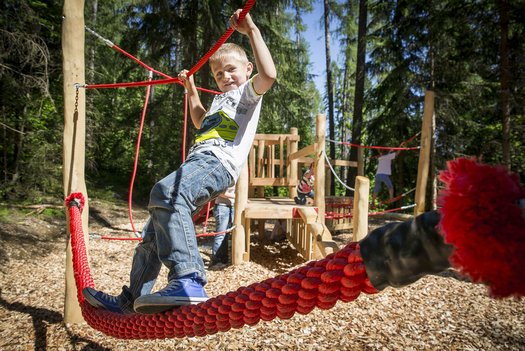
(75, 199)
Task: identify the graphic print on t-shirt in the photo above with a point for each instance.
(217, 126)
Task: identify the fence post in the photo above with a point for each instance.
(424, 154)
(74, 135)
(360, 210)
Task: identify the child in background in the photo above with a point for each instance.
(223, 213)
(305, 187)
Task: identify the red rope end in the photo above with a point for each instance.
(75, 199)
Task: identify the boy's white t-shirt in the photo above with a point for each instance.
(228, 198)
(384, 164)
(229, 127)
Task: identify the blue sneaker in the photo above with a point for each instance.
(108, 302)
(186, 290)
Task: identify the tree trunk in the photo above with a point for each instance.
(92, 53)
(329, 87)
(504, 81)
(357, 125)
(345, 109)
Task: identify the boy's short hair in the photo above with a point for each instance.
(227, 49)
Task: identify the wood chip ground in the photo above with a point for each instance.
(441, 312)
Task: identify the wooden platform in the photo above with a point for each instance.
(306, 232)
(273, 208)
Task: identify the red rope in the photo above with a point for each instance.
(347, 143)
(379, 147)
(338, 277)
(202, 235)
(394, 199)
(194, 69)
(136, 160)
(185, 125)
(149, 68)
(333, 215)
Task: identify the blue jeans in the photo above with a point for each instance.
(223, 220)
(382, 178)
(169, 235)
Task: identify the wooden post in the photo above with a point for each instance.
(424, 153)
(360, 162)
(360, 211)
(292, 167)
(319, 190)
(238, 234)
(74, 134)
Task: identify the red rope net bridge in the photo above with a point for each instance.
(338, 277)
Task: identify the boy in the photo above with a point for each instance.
(225, 135)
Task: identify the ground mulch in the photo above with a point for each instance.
(438, 312)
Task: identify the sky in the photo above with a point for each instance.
(315, 36)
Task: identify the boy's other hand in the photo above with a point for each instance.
(245, 26)
(187, 81)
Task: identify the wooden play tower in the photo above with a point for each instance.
(274, 161)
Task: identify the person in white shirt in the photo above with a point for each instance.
(383, 173)
(223, 213)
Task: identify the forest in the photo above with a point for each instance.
(470, 53)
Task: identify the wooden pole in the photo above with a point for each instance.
(74, 134)
(360, 162)
(238, 234)
(292, 169)
(360, 211)
(319, 189)
(424, 153)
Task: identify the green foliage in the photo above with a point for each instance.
(5, 214)
(279, 191)
(450, 46)
(31, 136)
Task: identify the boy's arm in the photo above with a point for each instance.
(266, 72)
(197, 110)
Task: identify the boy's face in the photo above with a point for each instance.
(230, 72)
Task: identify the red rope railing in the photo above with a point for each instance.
(338, 277)
(335, 216)
(347, 143)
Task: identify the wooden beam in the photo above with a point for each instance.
(360, 210)
(320, 141)
(344, 163)
(305, 151)
(74, 135)
(424, 154)
(274, 138)
(272, 182)
(292, 143)
(238, 234)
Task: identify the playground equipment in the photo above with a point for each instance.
(273, 161)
